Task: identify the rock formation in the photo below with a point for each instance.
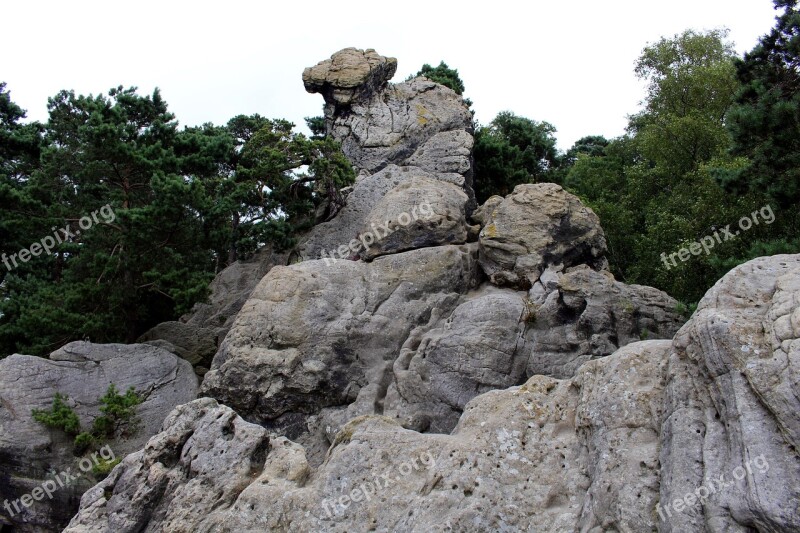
(405, 324)
(421, 363)
(626, 444)
(30, 453)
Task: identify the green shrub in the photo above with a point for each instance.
(118, 416)
(59, 416)
(104, 467)
(118, 412)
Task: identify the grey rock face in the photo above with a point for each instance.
(30, 452)
(349, 75)
(584, 314)
(326, 239)
(535, 227)
(196, 345)
(541, 457)
(315, 335)
(420, 212)
(417, 123)
(478, 348)
(732, 408)
(606, 450)
(403, 122)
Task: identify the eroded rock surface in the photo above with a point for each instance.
(30, 452)
(732, 425)
(548, 456)
(606, 450)
(536, 227)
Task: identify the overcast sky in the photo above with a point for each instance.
(569, 63)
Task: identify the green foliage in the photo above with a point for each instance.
(765, 122)
(512, 150)
(59, 416)
(655, 189)
(118, 418)
(104, 467)
(84, 441)
(444, 75)
(181, 206)
(118, 412)
(317, 126)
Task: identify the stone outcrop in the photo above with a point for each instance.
(349, 75)
(732, 405)
(453, 377)
(536, 227)
(391, 133)
(605, 450)
(315, 335)
(30, 452)
(584, 314)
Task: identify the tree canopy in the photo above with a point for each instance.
(144, 213)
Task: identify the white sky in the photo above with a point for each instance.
(569, 63)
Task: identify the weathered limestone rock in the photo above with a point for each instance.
(584, 314)
(577, 455)
(416, 123)
(325, 240)
(420, 212)
(405, 122)
(535, 227)
(731, 430)
(349, 74)
(30, 452)
(315, 335)
(478, 348)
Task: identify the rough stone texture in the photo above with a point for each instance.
(324, 239)
(29, 451)
(349, 74)
(404, 122)
(445, 152)
(195, 344)
(315, 335)
(478, 348)
(420, 212)
(577, 455)
(734, 397)
(536, 227)
(585, 314)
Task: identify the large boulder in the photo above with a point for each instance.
(584, 314)
(349, 74)
(366, 206)
(731, 430)
(315, 335)
(418, 213)
(31, 453)
(575, 455)
(694, 435)
(536, 227)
